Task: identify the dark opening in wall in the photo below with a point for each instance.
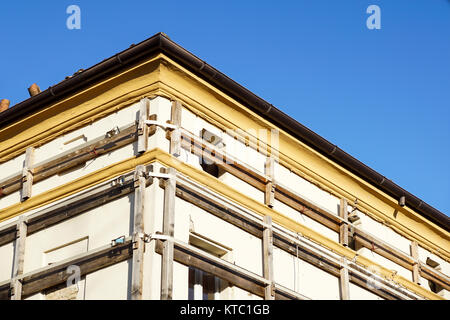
(212, 169)
(434, 287)
(206, 164)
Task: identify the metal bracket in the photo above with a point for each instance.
(160, 175)
(137, 236)
(157, 236)
(120, 181)
(161, 124)
(120, 240)
(111, 133)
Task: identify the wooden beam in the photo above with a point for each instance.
(54, 274)
(143, 130)
(5, 290)
(138, 232)
(433, 275)
(344, 286)
(168, 229)
(343, 228)
(343, 239)
(7, 233)
(283, 293)
(191, 256)
(209, 204)
(415, 268)
(296, 202)
(381, 292)
(269, 194)
(267, 245)
(175, 135)
(370, 242)
(19, 257)
(27, 174)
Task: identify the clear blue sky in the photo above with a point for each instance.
(381, 95)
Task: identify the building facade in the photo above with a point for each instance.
(152, 175)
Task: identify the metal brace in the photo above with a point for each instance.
(137, 236)
(160, 175)
(161, 124)
(111, 133)
(120, 181)
(157, 236)
(120, 240)
(142, 174)
(272, 289)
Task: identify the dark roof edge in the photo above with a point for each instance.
(160, 42)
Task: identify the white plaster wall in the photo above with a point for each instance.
(32, 211)
(92, 165)
(182, 220)
(248, 155)
(242, 186)
(190, 158)
(424, 254)
(305, 220)
(306, 189)
(111, 283)
(317, 284)
(181, 232)
(123, 117)
(36, 296)
(375, 257)
(384, 233)
(100, 225)
(247, 252)
(240, 294)
(12, 166)
(285, 269)
(162, 108)
(6, 261)
(358, 293)
(10, 199)
(180, 281)
(189, 121)
(303, 277)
